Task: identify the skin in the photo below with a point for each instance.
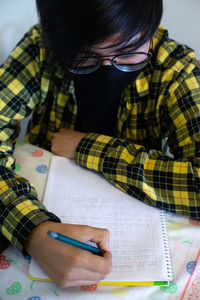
(67, 265)
(65, 141)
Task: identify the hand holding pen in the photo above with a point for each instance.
(75, 243)
(69, 265)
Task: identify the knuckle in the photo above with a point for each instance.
(106, 232)
(61, 280)
(52, 147)
(65, 276)
(61, 284)
(108, 269)
(69, 276)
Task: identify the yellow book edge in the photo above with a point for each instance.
(130, 283)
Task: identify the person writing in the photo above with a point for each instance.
(105, 86)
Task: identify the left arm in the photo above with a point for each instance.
(172, 184)
(157, 180)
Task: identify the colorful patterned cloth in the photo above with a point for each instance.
(33, 163)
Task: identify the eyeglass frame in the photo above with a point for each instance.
(123, 68)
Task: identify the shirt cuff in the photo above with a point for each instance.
(39, 218)
(23, 216)
(92, 149)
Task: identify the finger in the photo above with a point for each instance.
(80, 283)
(66, 281)
(104, 245)
(83, 274)
(97, 235)
(101, 238)
(85, 260)
(95, 263)
(63, 273)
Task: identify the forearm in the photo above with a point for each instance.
(146, 174)
(20, 210)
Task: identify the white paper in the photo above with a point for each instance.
(79, 196)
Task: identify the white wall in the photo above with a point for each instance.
(16, 17)
(181, 17)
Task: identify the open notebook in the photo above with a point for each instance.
(138, 236)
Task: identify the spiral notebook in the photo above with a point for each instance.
(138, 233)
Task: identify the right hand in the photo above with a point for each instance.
(68, 265)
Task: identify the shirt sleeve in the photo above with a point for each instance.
(169, 183)
(20, 79)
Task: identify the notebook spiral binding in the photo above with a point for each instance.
(169, 270)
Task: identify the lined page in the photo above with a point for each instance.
(80, 196)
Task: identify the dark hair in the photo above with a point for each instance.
(72, 26)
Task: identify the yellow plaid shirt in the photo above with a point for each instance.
(164, 102)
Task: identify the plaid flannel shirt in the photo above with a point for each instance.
(164, 101)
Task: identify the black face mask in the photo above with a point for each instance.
(98, 95)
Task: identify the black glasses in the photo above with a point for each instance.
(126, 62)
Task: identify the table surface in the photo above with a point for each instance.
(184, 237)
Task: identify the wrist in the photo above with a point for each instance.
(36, 236)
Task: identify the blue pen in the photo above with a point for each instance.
(68, 240)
